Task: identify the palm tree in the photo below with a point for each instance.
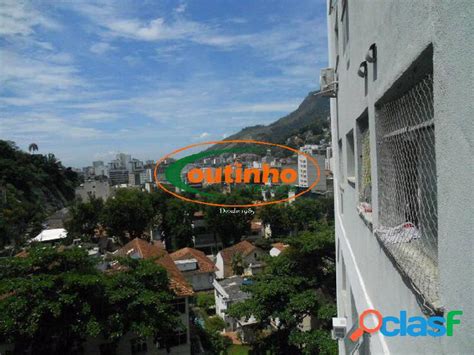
(33, 147)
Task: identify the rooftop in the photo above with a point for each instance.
(232, 287)
(244, 247)
(49, 235)
(146, 250)
(204, 263)
(280, 246)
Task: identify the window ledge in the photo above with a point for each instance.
(365, 212)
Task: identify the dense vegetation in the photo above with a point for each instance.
(52, 301)
(133, 212)
(299, 283)
(31, 186)
(308, 124)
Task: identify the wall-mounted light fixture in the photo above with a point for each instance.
(362, 72)
(371, 55)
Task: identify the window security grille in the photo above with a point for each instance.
(408, 212)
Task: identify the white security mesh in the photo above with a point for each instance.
(408, 212)
(365, 179)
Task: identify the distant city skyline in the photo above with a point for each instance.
(87, 80)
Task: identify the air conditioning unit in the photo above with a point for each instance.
(328, 82)
(339, 328)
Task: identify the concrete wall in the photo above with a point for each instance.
(200, 281)
(402, 30)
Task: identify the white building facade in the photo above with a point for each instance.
(307, 171)
(402, 138)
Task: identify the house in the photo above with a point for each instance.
(180, 340)
(400, 82)
(257, 230)
(50, 236)
(196, 267)
(277, 248)
(203, 237)
(226, 293)
(251, 259)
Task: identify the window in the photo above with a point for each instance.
(179, 305)
(138, 346)
(336, 34)
(341, 199)
(344, 276)
(341, 159)
(345, 24)
(364, 176)
(407, 181)
(350, 156)
(177, 338)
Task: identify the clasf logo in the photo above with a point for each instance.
(390, 326)
(234, 173)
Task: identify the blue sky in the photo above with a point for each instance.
(86, 80)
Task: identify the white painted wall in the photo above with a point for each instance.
(274, 251)
(402, 30)
(220, 266)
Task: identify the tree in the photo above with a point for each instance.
(305, 212)
(33, 147)
(238, 264)
(230, 227)
(296, 284)
(178, 223)
(53, 301)
(129, 211)
(33, 186)
(84, 217)
(214, 324)
(278, 217)
(210, 335)
(205, 301)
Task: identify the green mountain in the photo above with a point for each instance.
(307, 124)
(31, 187)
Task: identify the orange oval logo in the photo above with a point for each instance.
(173, 172)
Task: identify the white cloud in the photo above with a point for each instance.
(204, 135)
(101, 48)
(19, 18)
(37, 79)
(181, 8)
(46, 127)
(20, 70)
(265, 107)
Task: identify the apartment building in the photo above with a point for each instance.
(307, 171)
(400, 79)
(99, 188)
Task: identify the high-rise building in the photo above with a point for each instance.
(400, 79)
(307, 171)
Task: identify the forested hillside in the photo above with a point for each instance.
(308, 124)
(31, 186)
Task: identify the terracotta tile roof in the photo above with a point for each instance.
(204, 263)
(150, 251)
(280, 246)
(22, 254)
(199, 214)
(244, 247)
